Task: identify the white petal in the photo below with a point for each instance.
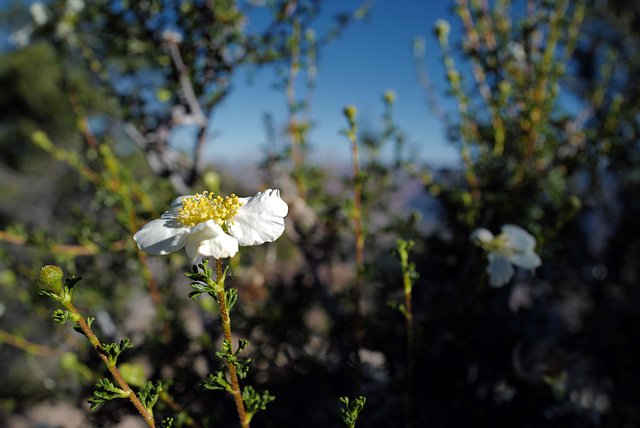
(176, 205)
(209, 240)
(482, 235)
(526, 261)
(519, 239)
(500, 270)
(161, 236)
(260, 219)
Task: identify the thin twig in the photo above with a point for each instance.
(27, 346)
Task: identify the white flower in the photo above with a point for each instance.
(39, 13)
(214, 227)
(21, 37)
(514, 246)
(172, 36)
(75, 6)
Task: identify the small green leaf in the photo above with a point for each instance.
(60, 316)
(217, 382)
(105, 391)
(69, 283)
(253, 401)
(199, 289)
(149, 394)
(113, 350)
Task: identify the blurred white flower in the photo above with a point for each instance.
(513, 247)
(172, 36)
(64, 30)
(39, 13)
(210, 226)
(21, 37)
(75, 6)
(517, 52)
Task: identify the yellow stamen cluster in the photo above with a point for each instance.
(204, 206)
(498, 245)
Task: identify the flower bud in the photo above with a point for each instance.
(350, 111)
(50, 278)
(442, 28)
(575, 202)
(505, 87)
(390, 96)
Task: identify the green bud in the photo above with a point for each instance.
(427, 178)
(575, 202)
(467, 199)
(50, 278)
(454, 77)
(419, 44)
(442, 28)
(212, 181)
(41, 140)
(390, 96)
(350, 111)
(310, 35)
(505, 87)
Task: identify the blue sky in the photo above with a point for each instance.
(371, 57)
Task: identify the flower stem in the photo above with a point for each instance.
(75, 315)
(226, 324)
(357, 222)
(410, 361)
(409, 276)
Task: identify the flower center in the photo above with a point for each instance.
(204, 206)
(498, 245)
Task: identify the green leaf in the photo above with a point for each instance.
(149, 394)
(217, 381)
(60, 316)
(105, 391)
(113, 350)
(253, 401)
(349, 415)
(199, 289)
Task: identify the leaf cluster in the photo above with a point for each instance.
(349, 414)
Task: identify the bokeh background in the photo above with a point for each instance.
(469, 114)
